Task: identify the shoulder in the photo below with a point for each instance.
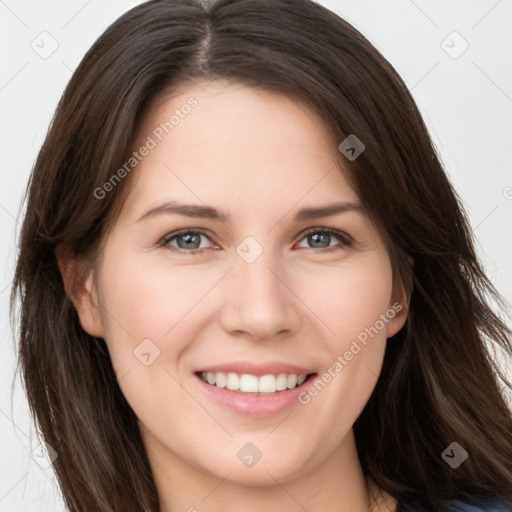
(474, 505)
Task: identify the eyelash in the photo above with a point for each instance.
(345, 240)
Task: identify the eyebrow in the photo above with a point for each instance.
(209, 212)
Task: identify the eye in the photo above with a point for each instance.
(188, 240)
(321, 238)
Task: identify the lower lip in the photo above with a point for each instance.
(254, 405)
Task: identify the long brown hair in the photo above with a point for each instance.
(438, 384)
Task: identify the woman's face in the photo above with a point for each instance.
(260, 288)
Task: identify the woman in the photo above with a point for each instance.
(323, 345)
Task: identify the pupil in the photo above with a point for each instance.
(320, 238)
(188, 238)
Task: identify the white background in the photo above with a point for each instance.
(466, 102)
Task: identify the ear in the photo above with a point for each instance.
(399, 304)
(81, 290)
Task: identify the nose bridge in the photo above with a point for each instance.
(257, 299)
(258, 279)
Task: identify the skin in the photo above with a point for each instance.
(259, 157)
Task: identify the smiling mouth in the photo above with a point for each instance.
(249, 384)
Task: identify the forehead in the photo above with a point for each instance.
(236, 145)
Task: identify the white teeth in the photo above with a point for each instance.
(267, 384)
(220, 380)
(292, 381)
(247, 383)
(282, 382)
(233, 381)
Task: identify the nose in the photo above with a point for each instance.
(259, 300)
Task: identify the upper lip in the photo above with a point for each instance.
(270, 368)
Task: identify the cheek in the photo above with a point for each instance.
(350, 298)
(149, 299)
(352, 306)
(152, 314)
(147, 331)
